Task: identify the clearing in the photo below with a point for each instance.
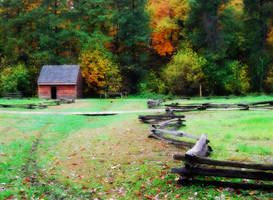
(110, 157)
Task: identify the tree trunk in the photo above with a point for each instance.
(200, 90)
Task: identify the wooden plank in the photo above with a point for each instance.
(31, 106)
(58, 102)
(229, 173)
(177, 106)
(152, 103)
(176, 133)
(181, 110)
(162, 116)
(6, 105)
(200, 148)
(176, 123)
(43, 105)
(167, 122)
(207, 161)
(245, 186)
(97, 114)
(171, 141)
(262, 102)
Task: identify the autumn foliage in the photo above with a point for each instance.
(94, 67)
(166, 16)
(99, 72)
(130, 44)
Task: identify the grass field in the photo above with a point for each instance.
(110, 157)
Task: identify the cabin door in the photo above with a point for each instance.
(53, 92)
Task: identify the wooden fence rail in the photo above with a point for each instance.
(196, 157)
(39, 105)
(153, 103)
(168, 124)
(154, 119)
(176, 107)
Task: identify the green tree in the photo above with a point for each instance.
(91, 22)
(237, 81)
(184, 73)
(14, 79)
(203, 30)
(257, 15)
(131, 25)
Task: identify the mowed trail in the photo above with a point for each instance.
(80, 113)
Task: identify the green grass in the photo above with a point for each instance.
(79, 157)
(82, 105)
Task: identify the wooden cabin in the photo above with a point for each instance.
(60, 81)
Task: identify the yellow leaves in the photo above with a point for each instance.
(270, 36)
(236, 5)
(95, 65)
(29, 5)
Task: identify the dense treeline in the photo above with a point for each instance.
(155, 46)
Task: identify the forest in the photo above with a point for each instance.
(174, 47)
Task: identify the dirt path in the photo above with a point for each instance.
(35, 177)
(81, 113)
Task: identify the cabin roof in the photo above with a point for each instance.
(59, 74)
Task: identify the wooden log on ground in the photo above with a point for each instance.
(31, 106)
(262, 108)
(177, 106)
(229, 173)
(262, 102)
(186, 109)
(161, 116)
(43, 105)
(200, 148)
(58, 102)
(170, 140)
(219, 105)
(245, 186)
(12, 95)
(156, 118)
(68, 101)
(176, 133)
(207, 161)
(174, 123)
(164, 123)
(6, 105)
(97, 114)
(152, 103)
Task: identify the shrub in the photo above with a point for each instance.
(184, 74)
(237, 81)
(113, 79)
(15, 78)
(153, 84)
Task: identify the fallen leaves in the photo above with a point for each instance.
(42, 196)
(73, 154)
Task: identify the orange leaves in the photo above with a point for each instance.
(161, 43)
(165, 15)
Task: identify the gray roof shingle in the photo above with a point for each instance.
(59, 74)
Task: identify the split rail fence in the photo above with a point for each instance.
(39, 105)
(166, 127)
